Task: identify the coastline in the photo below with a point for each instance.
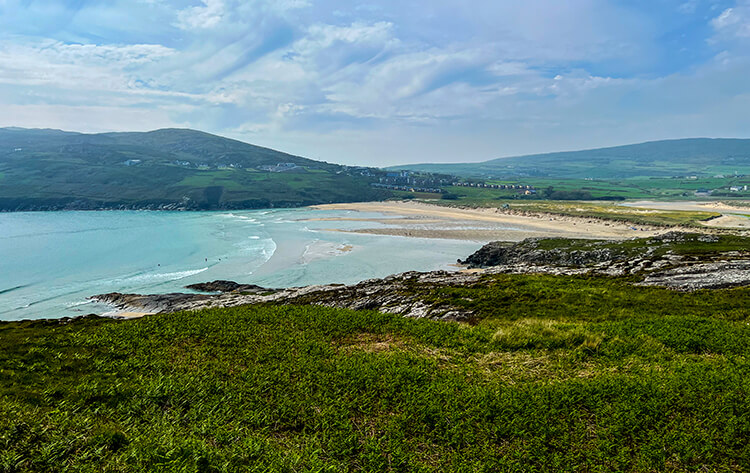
(422, 220)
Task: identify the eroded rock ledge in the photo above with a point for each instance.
(400, 294)
(680, 261)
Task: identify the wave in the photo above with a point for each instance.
(239, 217)
(10, 289)
(77, 304)
(156, 277)
(270, 250)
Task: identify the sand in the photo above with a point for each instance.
(732, 216)
(729, 221)
(433, 221)
(692, 206)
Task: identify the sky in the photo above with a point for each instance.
(387, 82)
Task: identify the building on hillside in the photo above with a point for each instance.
(282, 167)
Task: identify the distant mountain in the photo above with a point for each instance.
(169, 168)
(696, 156)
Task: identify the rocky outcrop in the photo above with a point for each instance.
(228, 286)
(714, 275)
(578, 253)
(398, 294)
(153, 303)
(529, 252)
(652, 261)
(609, 257)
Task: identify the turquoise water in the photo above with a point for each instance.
(50, 262)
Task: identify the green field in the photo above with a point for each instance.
(667, 189)
(50, 170)
(687, 157)
(554, 374)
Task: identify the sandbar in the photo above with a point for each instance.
(485, 224)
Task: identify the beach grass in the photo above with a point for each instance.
(554, 374)
(603, 211)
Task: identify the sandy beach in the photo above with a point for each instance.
(734, 216)
(694, 206)
(420, 220)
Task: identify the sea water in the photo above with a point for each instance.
(51, 262)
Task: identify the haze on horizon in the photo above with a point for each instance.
(384, 82)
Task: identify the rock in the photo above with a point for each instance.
(652, 260)
(151, 303)
(228, 286)
(394, 294)
(714, 275)
(528, 251)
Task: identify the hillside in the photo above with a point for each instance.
(169, 168)
(699, 156)
(584, 372)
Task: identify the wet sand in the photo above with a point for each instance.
(422, 220)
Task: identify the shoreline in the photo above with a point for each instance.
(422, 220)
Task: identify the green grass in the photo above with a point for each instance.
(689, 244)
(687, 157)
(54, 170)
(637, 188)
(555, 374)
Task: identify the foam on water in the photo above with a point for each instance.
(155, 277)
(50, 262)
(318, 250)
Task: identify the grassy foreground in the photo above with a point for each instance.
(556, 374)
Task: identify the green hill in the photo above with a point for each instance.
(556, 374)
(169, 168)
(698, 156)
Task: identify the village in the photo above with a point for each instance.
(407, 181)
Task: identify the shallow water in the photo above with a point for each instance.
(50, 262)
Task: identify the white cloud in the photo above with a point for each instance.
(491, 75)
(56, 73)
(214, 13)
(688, 7)
(205, 16)
(85, 118)
(73, 65)
(734, 22)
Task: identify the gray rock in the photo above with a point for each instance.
(714, 275)
(404, 294)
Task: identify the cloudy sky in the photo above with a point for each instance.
(384, 82)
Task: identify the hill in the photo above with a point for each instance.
(550, 373)
(696, 156)
(169, 168)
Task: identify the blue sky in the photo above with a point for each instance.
(384, 82)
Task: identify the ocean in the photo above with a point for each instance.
(51, 262)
